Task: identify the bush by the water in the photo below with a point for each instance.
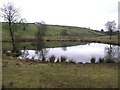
(80, 62)
(43, 59)
(63, 59)
(101, 60)
(52, 59)
(72, 61)
(93, 60)
(58, 61)
(13, 54)
(110, 60)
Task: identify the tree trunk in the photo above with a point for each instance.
(11, 34)
(110, 36)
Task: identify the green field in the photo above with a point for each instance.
(21, 74)
(53, 32)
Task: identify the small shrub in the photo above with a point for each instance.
(72, 61)
(16, 54)
(43, 59)
(110, 60)
(80, 63)
(63, 59)
(52, 59)
(87, 63)
(93, 60)
(101, 60)
(58, 60)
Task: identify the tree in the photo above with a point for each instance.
(39, 40)
(10, 14)
(24, 23)
(110, 26)
(41, 30)
(102, 30)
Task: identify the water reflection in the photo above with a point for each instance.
(79, 53)
(41, 51)
(64, 46)
(111, 53)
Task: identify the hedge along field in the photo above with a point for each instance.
(22, 74)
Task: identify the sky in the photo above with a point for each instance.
(81, 13)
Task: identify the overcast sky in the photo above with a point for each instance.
(82, 13)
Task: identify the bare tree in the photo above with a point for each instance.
(41, 30)
(24, 23)
(10, 14)
(39, 40)
(110, 26)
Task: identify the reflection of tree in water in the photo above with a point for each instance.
(41, 51)
(64, 46)
(111, 54)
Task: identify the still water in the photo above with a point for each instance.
(78, 53)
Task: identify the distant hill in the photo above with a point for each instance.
(76, 31)
(52, 31)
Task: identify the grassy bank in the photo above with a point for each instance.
(54, 34)
(19, 74)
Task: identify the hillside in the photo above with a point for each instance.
(78, 31)
(53, 31)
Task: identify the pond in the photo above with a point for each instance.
(77, 51)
